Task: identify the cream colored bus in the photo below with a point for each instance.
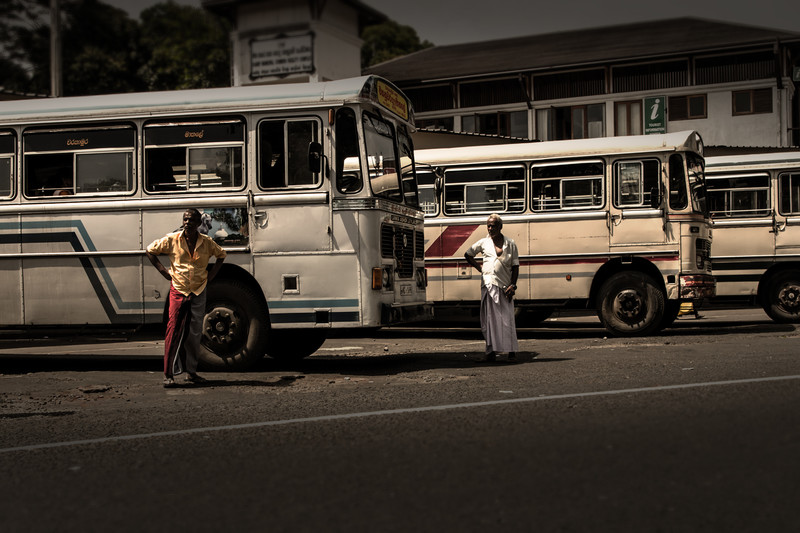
(618, 225)
(755, 205)
(309, 187)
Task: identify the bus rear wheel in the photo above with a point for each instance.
(782, 302)
(631, 304)
(235, 327)
(295, 344)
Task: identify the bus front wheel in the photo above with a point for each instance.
(630, 304)
(235, 327)
(783, 297)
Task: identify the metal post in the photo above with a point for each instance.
(55, 50)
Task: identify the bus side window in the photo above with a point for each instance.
(635, 182)
(348, 156)
(5, 177)
(283, 153)
(427, 192)
(790, 194)
(162, 165)
(678, 197)
(571, 185)
(49, 175)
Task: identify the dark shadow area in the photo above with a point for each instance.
(386, 365)
(16, 364)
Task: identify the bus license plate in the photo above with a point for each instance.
(406, 289)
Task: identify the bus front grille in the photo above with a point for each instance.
(398, 242)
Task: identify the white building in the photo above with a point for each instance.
(276, 41)
(737, 85)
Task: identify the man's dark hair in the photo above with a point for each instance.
(193, 211)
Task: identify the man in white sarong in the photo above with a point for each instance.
(499, 274)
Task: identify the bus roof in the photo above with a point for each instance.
(227, 99)
(684, 140)
(753, 161)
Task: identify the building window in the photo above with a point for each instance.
(569, 84)
(436, 98)
(650, 76)
(513, 124)
(495, 92)
(441, 123)
(752, 101)
(628, 118)
(687, 107)
(735, 67)
(573, 122)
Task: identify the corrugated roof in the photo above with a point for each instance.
(572, 48)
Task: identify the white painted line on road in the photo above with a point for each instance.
(409, 410)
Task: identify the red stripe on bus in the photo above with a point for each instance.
(586, 261)
(451, 239)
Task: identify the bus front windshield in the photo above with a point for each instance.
(697, 183)
(379, 138)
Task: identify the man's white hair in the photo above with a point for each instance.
(496, 217)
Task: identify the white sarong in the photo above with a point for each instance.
(497, 320)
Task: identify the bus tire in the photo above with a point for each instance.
(782, 299)
(671, 310)
(235, 327)
(295, 344)
(531, 317)
(631, 304)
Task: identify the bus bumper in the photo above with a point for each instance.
(698, 286)
(398, 313)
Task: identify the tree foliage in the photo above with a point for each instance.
(106, 51)
(184, 48)
(388, 40)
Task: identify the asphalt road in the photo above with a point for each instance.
(401, 430)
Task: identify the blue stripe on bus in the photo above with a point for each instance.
(311, 317)
(302, 304)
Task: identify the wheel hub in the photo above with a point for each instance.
(628, 304)
(221, 326)
(789, 297)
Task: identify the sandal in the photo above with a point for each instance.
(169, 383)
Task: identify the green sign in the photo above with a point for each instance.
(655, 116)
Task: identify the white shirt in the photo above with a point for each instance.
(496, 270)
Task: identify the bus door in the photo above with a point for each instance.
(568, 234)
(745, 230)
(635, 219)
(294, 214)
(787, 215)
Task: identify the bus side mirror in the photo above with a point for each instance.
(315, 157)
(655, 198)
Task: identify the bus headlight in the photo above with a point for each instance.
(388, 278)
(700, 261)
(422, 278)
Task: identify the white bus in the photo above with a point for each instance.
(755, 205)
(618, 224)
(310, 188)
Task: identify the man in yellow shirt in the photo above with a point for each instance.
(189, 252)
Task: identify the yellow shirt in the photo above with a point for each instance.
(189, 274)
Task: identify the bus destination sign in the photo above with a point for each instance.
(392, 100)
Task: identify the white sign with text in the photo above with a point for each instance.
(281, 56)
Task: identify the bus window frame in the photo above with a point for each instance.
(781, 176)
(370, 116)
(319, 176)
(730, 195)
(505, 182)
(193, 122)
(562, 179)
(617, 184)
(11, 157)
(432, 188)
(131, 152)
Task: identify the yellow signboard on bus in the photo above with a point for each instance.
(392, 100)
